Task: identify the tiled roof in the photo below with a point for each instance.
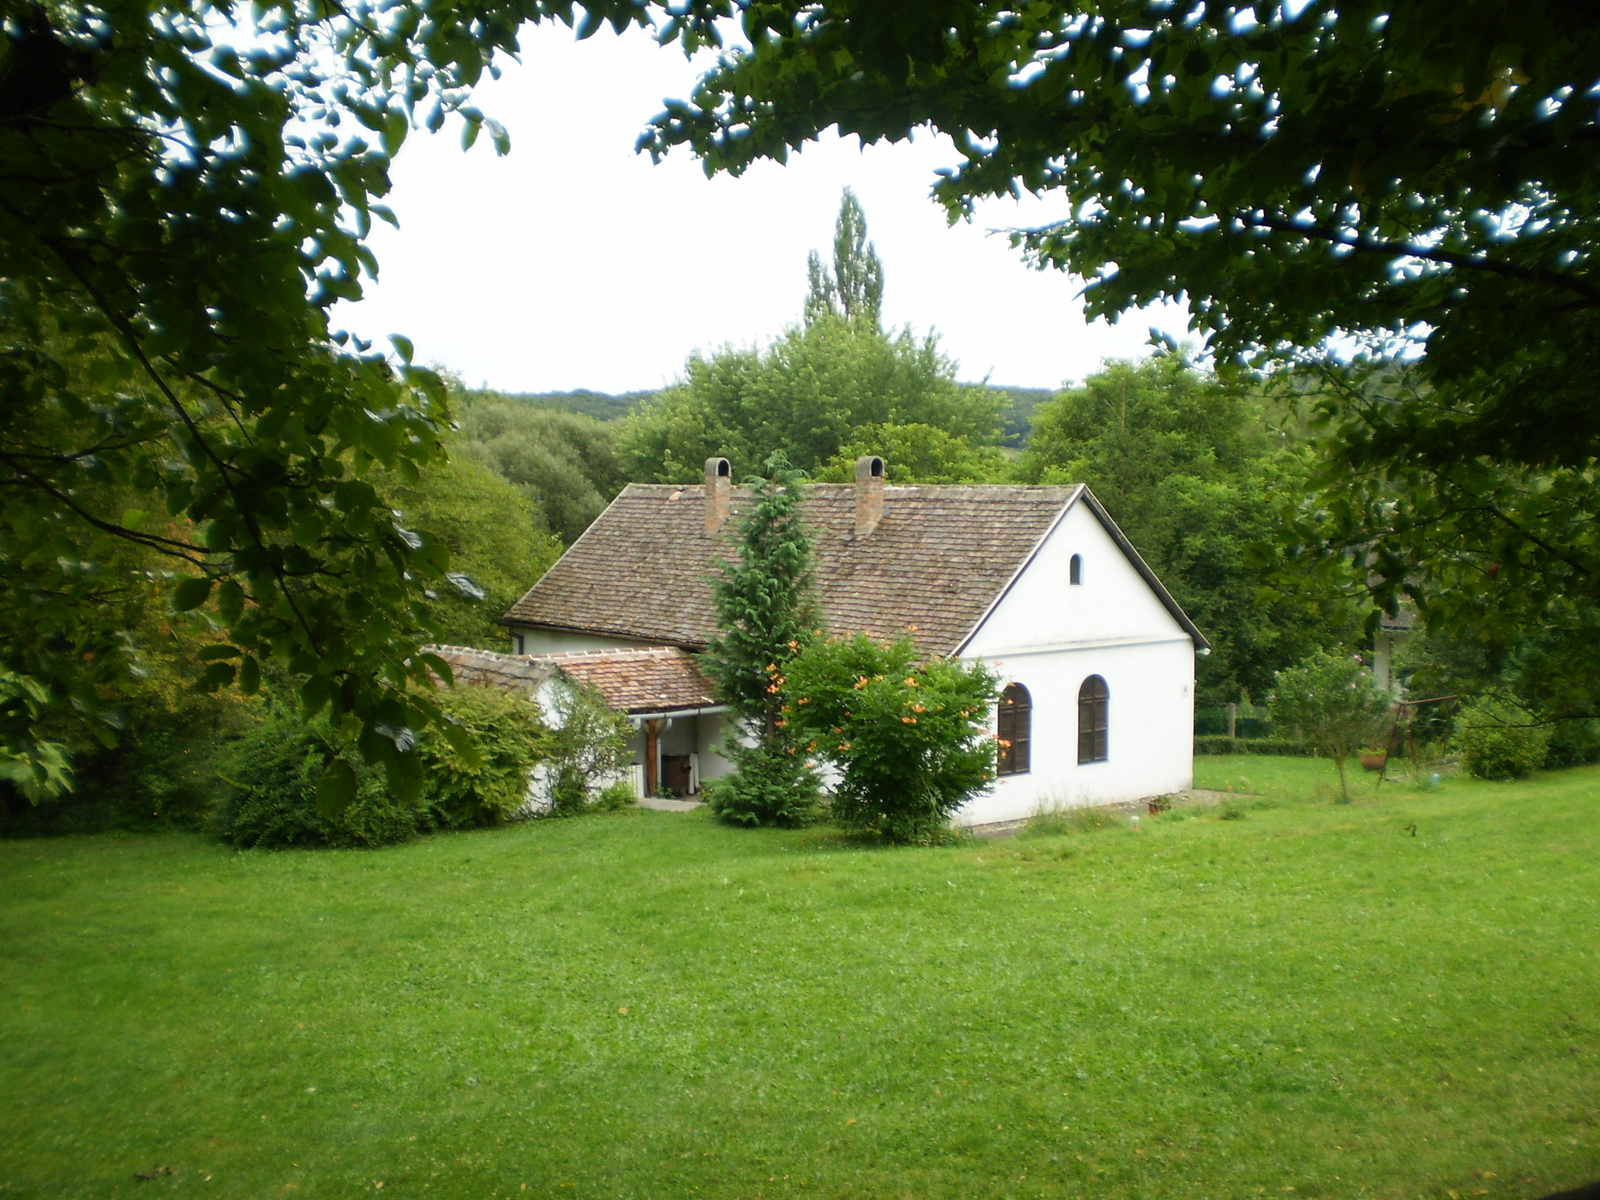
(511, 672)
(936, 561)
(661, 679)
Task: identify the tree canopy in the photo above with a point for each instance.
(1321, 182)
(185, 191)
(807, 395)
(1191, 468)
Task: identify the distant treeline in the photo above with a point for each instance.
(1017, 416)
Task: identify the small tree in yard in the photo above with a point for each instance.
(765, 615)
(911, 742)
(1335, 703)
(588, 743)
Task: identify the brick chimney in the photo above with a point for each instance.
(869, 493)
(719, 493)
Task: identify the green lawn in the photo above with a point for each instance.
(1315, 1000)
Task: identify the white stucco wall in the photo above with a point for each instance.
(1050, 635)
(554, 641)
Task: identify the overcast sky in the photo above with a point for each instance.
(574, 262)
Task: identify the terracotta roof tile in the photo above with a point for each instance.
(663, 679)
(660, 679)
(510, 672)
(935, 562)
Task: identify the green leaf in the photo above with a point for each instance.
(336, 790)
(463, 743)
(403, 346)
(191, 594)
(230, 601)
(250, 675)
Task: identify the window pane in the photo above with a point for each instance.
(1092, 714)
(1015, 729)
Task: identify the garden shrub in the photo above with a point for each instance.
(588, 748)
(1497, 739)
(490, 787)
(162, 770)
(912, 742)
(272, 800)
(772, 783)
(1573, 743)
(615, 796)
(272, 795)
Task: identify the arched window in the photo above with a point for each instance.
(1075, 570)
(1092, 698)
(1015, 728)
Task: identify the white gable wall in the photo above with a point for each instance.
(1050, 635)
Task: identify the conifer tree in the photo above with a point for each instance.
(766, 613)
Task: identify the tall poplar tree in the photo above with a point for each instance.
(853, 290)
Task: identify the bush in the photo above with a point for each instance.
(912, 743)
(1223, 744)
(771, 784)
(273, 798)
(588, 745)
(615, 796)
(491, 787)
(1497, 739)
(1573, 743)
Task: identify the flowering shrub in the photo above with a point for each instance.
(911, 741)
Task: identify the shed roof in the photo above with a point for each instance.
(934, 565)
(659, 679)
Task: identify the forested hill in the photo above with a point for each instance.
(1020, 403)
(604, 406)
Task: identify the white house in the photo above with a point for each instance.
(1037, 582)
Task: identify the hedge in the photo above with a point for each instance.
(1223, 744)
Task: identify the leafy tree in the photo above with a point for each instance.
(911, 739)
(1335, 703)
(915, 454)
(808, 395)
(184, 193)
(493, 535)
(1191, 469)
(564, 463)
(854, 289)
(766, 612)
(1313, 180)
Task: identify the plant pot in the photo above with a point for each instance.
(1373, 762)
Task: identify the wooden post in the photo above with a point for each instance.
(1233, 720)
(652, 757)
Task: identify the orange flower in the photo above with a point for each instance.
(910, 681)
(908, 720)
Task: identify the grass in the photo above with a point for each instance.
(1393, 998)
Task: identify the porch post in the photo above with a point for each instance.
(652, 757)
